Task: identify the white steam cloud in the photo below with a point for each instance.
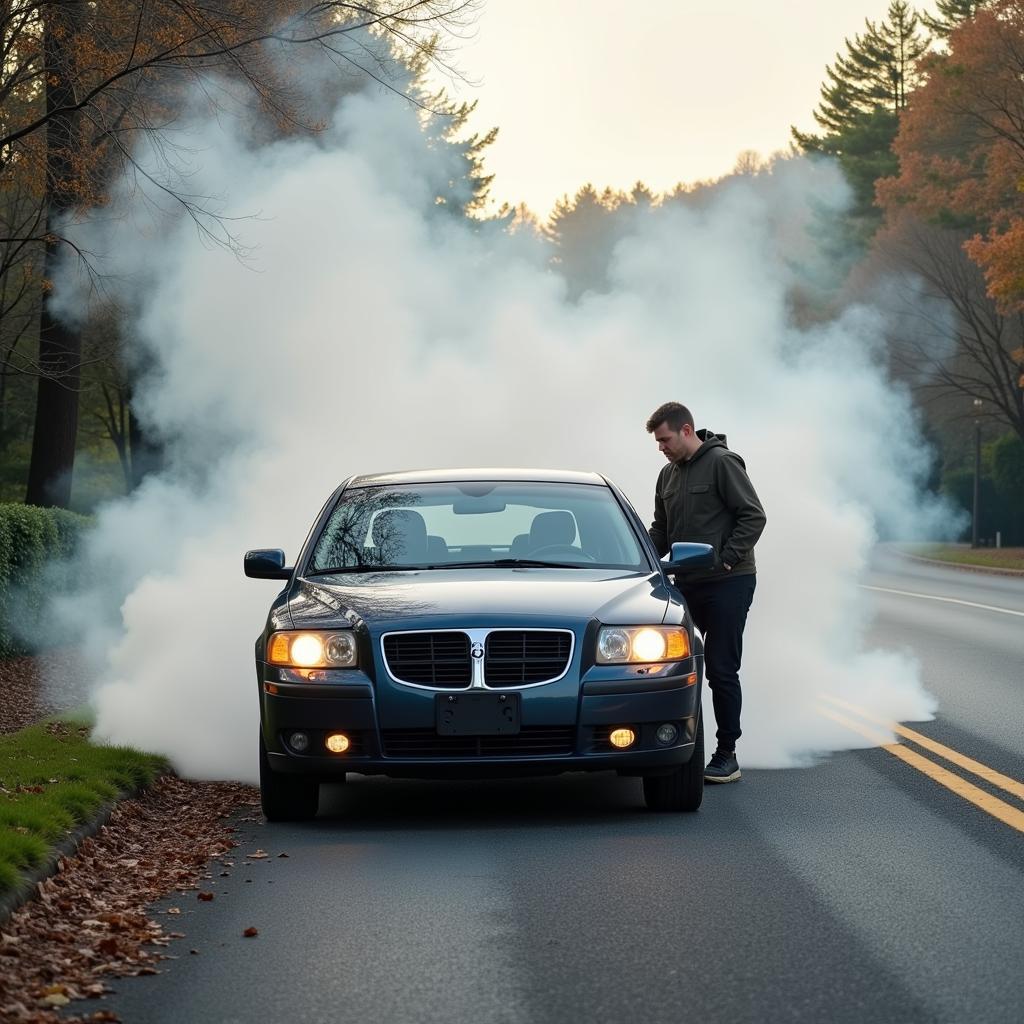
(369, 329)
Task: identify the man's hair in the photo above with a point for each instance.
(674, 415)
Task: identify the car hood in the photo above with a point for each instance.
(480, 597)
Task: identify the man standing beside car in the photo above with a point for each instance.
(704, 496)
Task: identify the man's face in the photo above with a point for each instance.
(673, 444)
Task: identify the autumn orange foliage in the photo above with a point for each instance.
(82, 80)
(961, 146)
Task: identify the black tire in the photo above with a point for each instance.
(285, 797)
(683, 789)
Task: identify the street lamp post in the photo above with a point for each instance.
(977, 472)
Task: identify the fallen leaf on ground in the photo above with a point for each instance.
(251, 932)
(282, 855)
(205, 896)
(93, 918)
(258, 855)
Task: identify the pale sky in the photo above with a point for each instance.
(601, 91)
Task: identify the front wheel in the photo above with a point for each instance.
(285, 797)
(683, 788)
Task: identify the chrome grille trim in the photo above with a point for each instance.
(478, 679)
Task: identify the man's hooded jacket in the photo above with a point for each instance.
(709, 499)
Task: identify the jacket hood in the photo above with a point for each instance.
(709, 440)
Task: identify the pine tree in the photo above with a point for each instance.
(642, 197)
(446, 121)
(950, 14)
(861, 100)
(583, 231)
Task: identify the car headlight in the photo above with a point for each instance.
(621, 644)
(312, 649)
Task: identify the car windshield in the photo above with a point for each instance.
(474, 523)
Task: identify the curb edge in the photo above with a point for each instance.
(984, 570)
(28, 887)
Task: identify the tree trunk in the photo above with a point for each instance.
(3, 406)
(60, 346)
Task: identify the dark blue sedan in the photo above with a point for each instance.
(476, 623)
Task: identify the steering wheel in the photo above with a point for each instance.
(561, 551)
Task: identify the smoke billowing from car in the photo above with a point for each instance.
(367, 329)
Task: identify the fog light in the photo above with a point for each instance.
(299, 742)
(622, 738)
(667, 734)
(337, 743)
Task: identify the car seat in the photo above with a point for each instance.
(400, 535)
(551, 529)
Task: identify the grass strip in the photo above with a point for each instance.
(52, 780)
(991, 558)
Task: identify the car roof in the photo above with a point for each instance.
(438, 476)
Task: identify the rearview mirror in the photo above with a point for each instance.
(266, 564)
(484, 505)
(685, 556)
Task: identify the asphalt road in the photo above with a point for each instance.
(857, 890)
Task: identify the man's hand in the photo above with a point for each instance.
(727, 567)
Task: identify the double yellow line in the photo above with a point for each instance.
(863, 724)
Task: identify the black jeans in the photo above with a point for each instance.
(720, 611)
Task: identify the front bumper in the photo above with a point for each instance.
(564, 727)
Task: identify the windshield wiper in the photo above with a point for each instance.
(495, 563)
(504, 563)
(366, 568)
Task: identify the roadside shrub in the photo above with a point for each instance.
(959, 486)
(1008, 469)
(32, 540)
(1001, 499)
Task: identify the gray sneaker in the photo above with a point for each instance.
(722, 767)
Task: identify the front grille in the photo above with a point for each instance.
(531, 741)
(430, 659)
(520, 657)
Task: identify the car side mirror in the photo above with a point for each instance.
(685, 556)
(266, 564)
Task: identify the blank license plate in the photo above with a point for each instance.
(477, 714)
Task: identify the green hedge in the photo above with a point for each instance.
(31, 539)
(1001, 492)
